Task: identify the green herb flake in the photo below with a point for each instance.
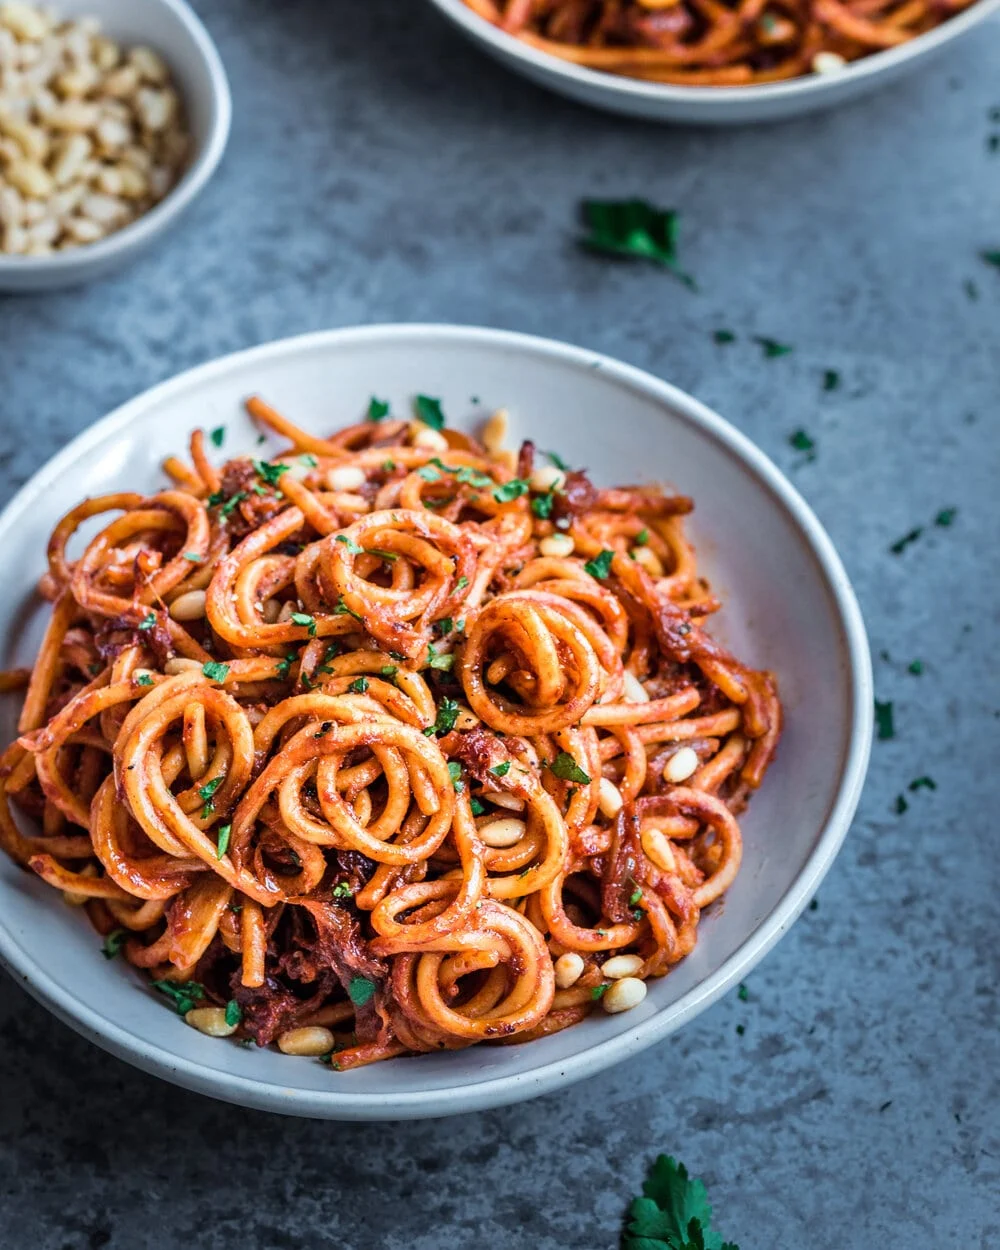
(598, 991)
(455, 773)
(205, 793)
(542, 505)
(388, 670)
(724, 336)
(359, 685)
(234, 1013)
(113, 943)
(641, 539)
(388, 466)
(462, 582)
(636, 897)
(801, 441)
(831, 380)
(222, 841)
(309, 460)
(501, 770)
(511, 490)
(194, 557)
(566, 768)
(342, 890)
(772, 348)
(304, 620)
(478, 808)
(992, 258)
(740, 1030)
(916, 667)
(184, 995)
(557, 460)
(429, 411)
(343, 610)
(923, 783)
(899, 546)
(814, 905)
(634, 230)
(215, 671)
(435, 660)
(148, 621)
(884, 721)
(945, 517)
(144, 679)
(901, 805)
(743, 994)
(378, 409)
(270, 473)
(447, 715)
(229, 506)
(218, 436)
(361, 991)
(350, 544)
(971, 289)
(600, 566)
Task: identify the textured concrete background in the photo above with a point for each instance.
(381, 170)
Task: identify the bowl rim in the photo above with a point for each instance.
(509, 47)
(155, 1058)
(143, 229)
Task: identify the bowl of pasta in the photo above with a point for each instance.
(438, 723)
(729, 63)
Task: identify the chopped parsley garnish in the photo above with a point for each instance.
(222, 842)
(636, 230)
(923, 783)
(899, 546)
(916, 667)
(558, 461)
(501, 770)
(447, 715)
(598, 991)
(148, 621)
(361, 991)
(600, 566)
(388, 466)
(205, 793)
(194, 557)
(883, 718)
(284, 666)
(945, 517)
(234, 1013)
(636, 897)
(772, 348)
(438, 661)
(971, 289)
(218, 436)
(389, 670)
(462, 582)
(801, 441)
(359, 685)
(429, 473)
(566, 768)
(113, 943)
(350, 544)
(992, 258)
(477, 807)
(309, 460)
(724, 336)
(342, 890)
(641, 539)
(215, 671)
(455, 773)
(229, 506)
(511, 490)
(429, 411)
(378, 409)
(343, 610)
(742, 993)
(306, 621)
(271, 473)
(184, 995)
(901, 805)
(542, 505)
(144, 679)
(389, 556)
(444, 626)
(831, 379)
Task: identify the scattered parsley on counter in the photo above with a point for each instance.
(113, 943)
(900, 545)
(743, 994)
(831, 380)
(916, 667)
(184, 995)
(600, 566)
(724, 336)
(635, 230)
(566, 768)
(772, 348)
(971, 289)
(429, 411)
(923, 783)
(900, 805)
(801, 441)
(884, 721)
(945, 517)
(673, 1212)
(992, 258)
(218, 436)
(378, 409)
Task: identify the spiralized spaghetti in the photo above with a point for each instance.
(387, 740)
(715, 43)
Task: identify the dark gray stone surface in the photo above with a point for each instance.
(381, 170)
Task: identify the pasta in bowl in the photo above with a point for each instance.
(390, 742)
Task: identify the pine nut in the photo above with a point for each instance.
(828, 62)
(30, 178)
(134, 183)
(11, 207)
(623, 995)
(32, 140)
(14, 240)
(430, 439)
(106, 53)
(287, 610)
(211, 1021)
(23, 20)
(270, 611)
(73, 115)
(71, 898)
(189, 606)
(83, 230)
(309, 1041)
(76, 82)
(106, 210)
(346, 477)
(502, 833)
(558, 545)
(494, 432)
(619, 966)
(657, 849)
(568, 969)
(121, 83)
(147, 64)
(72, 152)
(156, 109)
(681, 765)
(113, 134)
(466, 719)
(609, 799)
(547, 477)
(510, 802)
(178, 664)
(633, 689)
(649, 560)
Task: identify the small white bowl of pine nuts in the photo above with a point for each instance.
(113, 116)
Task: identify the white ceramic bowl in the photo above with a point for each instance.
(172, 28)
(711, 105)
(789, 607)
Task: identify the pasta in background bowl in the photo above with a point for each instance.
(786, 601)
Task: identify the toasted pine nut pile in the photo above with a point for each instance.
(92, 135)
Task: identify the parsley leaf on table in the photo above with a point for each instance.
(673, 1213)
(634, 229)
